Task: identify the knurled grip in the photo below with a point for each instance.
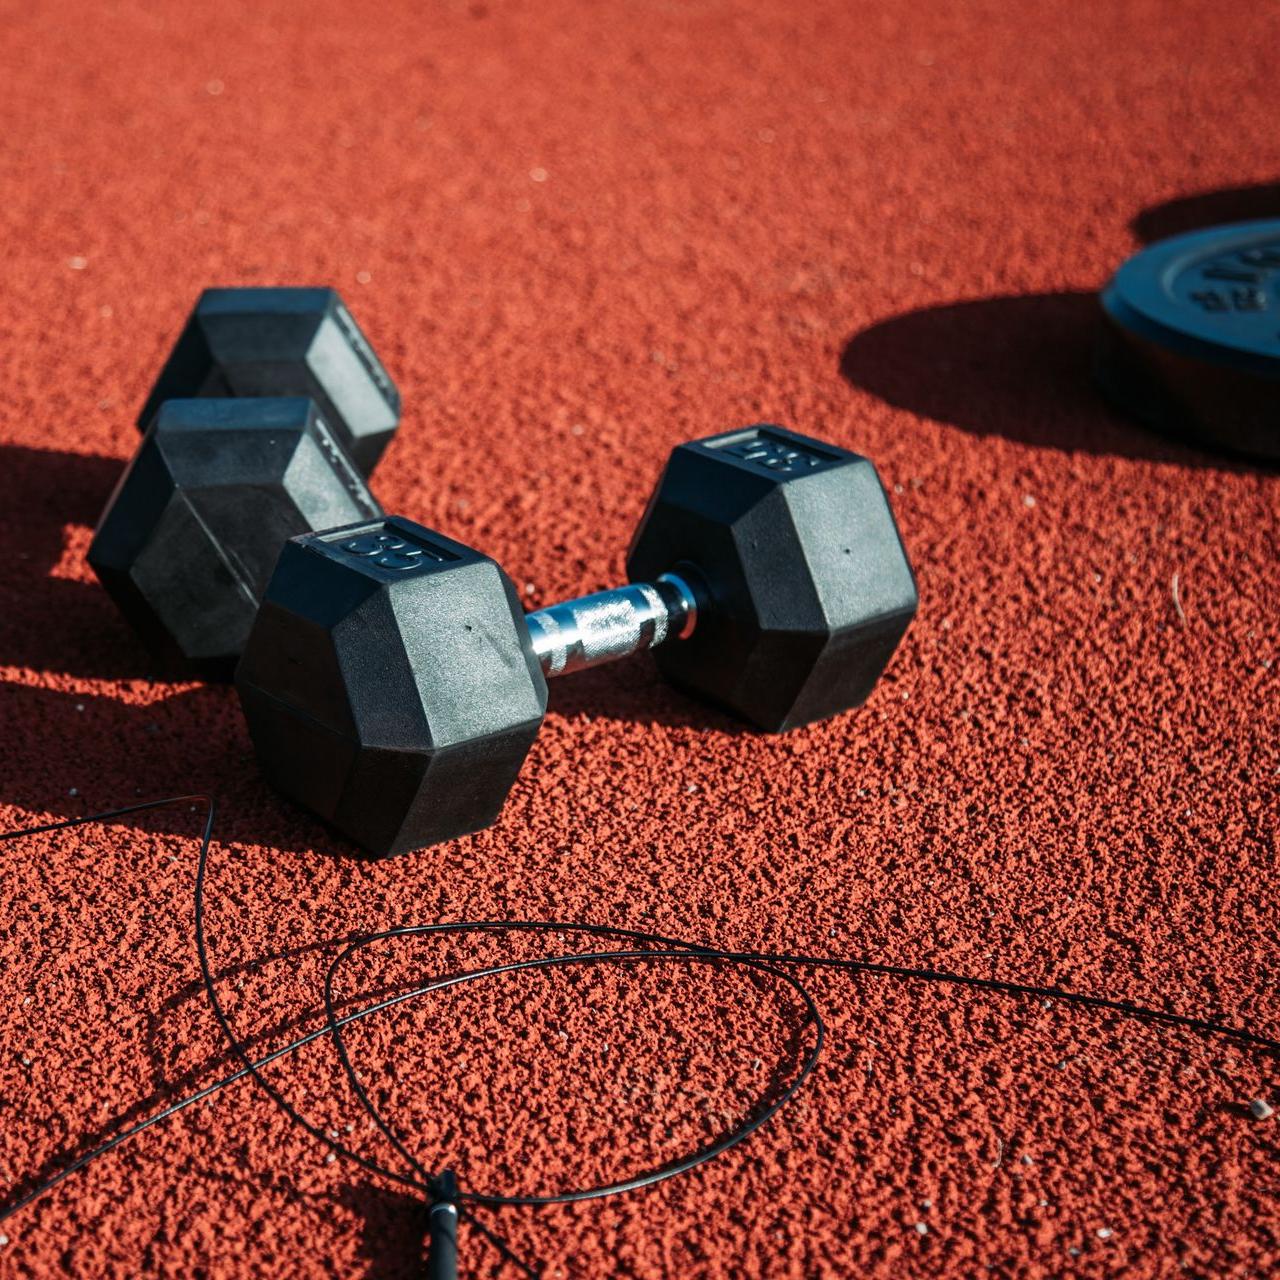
(611, 624)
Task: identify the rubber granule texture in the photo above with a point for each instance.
(578, 234)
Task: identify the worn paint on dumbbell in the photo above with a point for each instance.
(394, 551)
(342, 467)
(773, 453)
(373, 366)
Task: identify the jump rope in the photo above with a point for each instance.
(447, 1201)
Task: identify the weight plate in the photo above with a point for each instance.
(1191, 343)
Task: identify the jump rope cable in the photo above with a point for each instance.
(637, 947)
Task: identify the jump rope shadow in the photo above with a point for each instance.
(394, 1222)
(394, 1227)
(393, 1238)
(1019, 367)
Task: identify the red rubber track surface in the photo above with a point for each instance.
(578, 234)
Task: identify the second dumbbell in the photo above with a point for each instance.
(283, 410)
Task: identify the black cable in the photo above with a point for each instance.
(645, 948)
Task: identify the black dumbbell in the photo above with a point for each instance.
(284, 342)
(190, 536)
(393, 685)
(297, 409)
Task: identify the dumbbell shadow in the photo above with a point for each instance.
(70, 755)
(53, 617)
(633, 692)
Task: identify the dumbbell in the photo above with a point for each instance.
(393, 685)
(284, 342)
(190, 535)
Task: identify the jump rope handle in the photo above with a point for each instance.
(442, 1230)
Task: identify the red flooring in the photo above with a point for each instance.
(579, 233)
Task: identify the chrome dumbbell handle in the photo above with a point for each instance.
(612, 624)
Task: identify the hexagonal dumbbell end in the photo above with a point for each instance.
(284, 342)
(389, 684)
(191, 534)
(807, 584)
